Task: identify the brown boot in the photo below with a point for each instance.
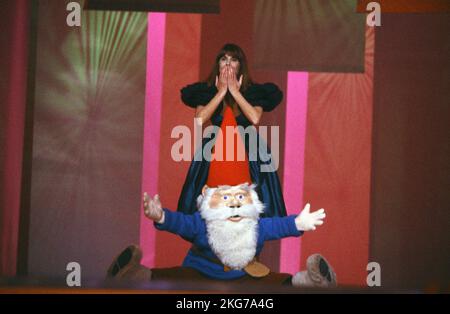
(127, 265)
(318, 273)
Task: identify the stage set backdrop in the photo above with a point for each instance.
(89, 113)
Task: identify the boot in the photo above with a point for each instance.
(127, 265)
(318, 273)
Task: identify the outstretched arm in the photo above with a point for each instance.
(307, 221)
(153, 209)
(186, 226)
(291, 226)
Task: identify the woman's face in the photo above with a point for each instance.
(230, 61)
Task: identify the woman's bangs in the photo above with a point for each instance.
(232, 53)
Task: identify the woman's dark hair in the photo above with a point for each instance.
(234, 51)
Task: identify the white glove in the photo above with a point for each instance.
(307, 221)
(153, 209)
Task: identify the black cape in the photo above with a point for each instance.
(268, 96)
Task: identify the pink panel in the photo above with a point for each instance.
(152, 123)
(296, 109)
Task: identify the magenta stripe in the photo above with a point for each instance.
(152, 123)
(294, 155)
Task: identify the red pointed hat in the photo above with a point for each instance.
(232, 171)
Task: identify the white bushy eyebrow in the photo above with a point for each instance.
(242, 187)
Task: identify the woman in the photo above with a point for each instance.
(230, 84)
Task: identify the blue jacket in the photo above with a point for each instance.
(192, 228)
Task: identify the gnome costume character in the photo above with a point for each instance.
(227, 231)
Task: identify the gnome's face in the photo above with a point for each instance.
(232, 203)
(231, 214)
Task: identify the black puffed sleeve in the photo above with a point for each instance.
(197, 94)
(266, 95)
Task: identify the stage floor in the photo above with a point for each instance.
(28, 285)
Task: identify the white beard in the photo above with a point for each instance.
(234, 243)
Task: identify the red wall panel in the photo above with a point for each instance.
(181, 67)
(337, 167)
